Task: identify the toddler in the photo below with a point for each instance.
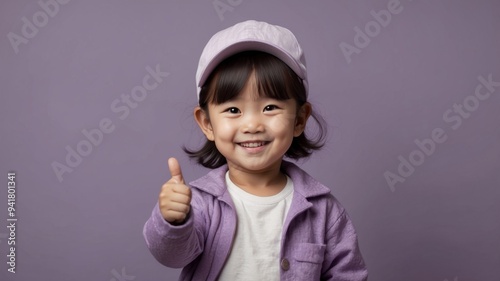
(255, 216)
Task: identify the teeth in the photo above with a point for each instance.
(252, 144)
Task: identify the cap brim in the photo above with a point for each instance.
(250, 46)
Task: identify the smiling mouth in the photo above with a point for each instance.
(253, 144)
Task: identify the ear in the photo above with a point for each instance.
(301, 120)
(203, 121)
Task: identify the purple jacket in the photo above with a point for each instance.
(318, 239)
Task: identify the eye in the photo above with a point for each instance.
(270, 107)
(233, 110)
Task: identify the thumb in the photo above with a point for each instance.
(175, 170)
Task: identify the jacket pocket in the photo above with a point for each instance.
(308, 260)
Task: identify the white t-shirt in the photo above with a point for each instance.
(256, 247)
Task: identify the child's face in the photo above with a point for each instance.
(251, 132)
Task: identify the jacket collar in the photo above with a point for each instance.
(214, 182)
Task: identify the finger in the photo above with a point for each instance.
(175, 170)
(175, 217)
(178, 207)
(182, 189)
(180, 198)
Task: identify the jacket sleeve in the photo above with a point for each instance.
(343, 260)
(173, 245)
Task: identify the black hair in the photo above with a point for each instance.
(274, 79)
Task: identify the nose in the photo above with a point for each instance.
(252, 123)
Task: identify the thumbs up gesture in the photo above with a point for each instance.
(175, 195)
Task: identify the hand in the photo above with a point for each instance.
(175, 196)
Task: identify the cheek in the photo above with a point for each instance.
(223, 130)
(283, 126)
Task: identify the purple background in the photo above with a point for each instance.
(442, 222)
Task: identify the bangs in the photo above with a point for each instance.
(273, 77)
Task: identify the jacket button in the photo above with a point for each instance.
(285, 264)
